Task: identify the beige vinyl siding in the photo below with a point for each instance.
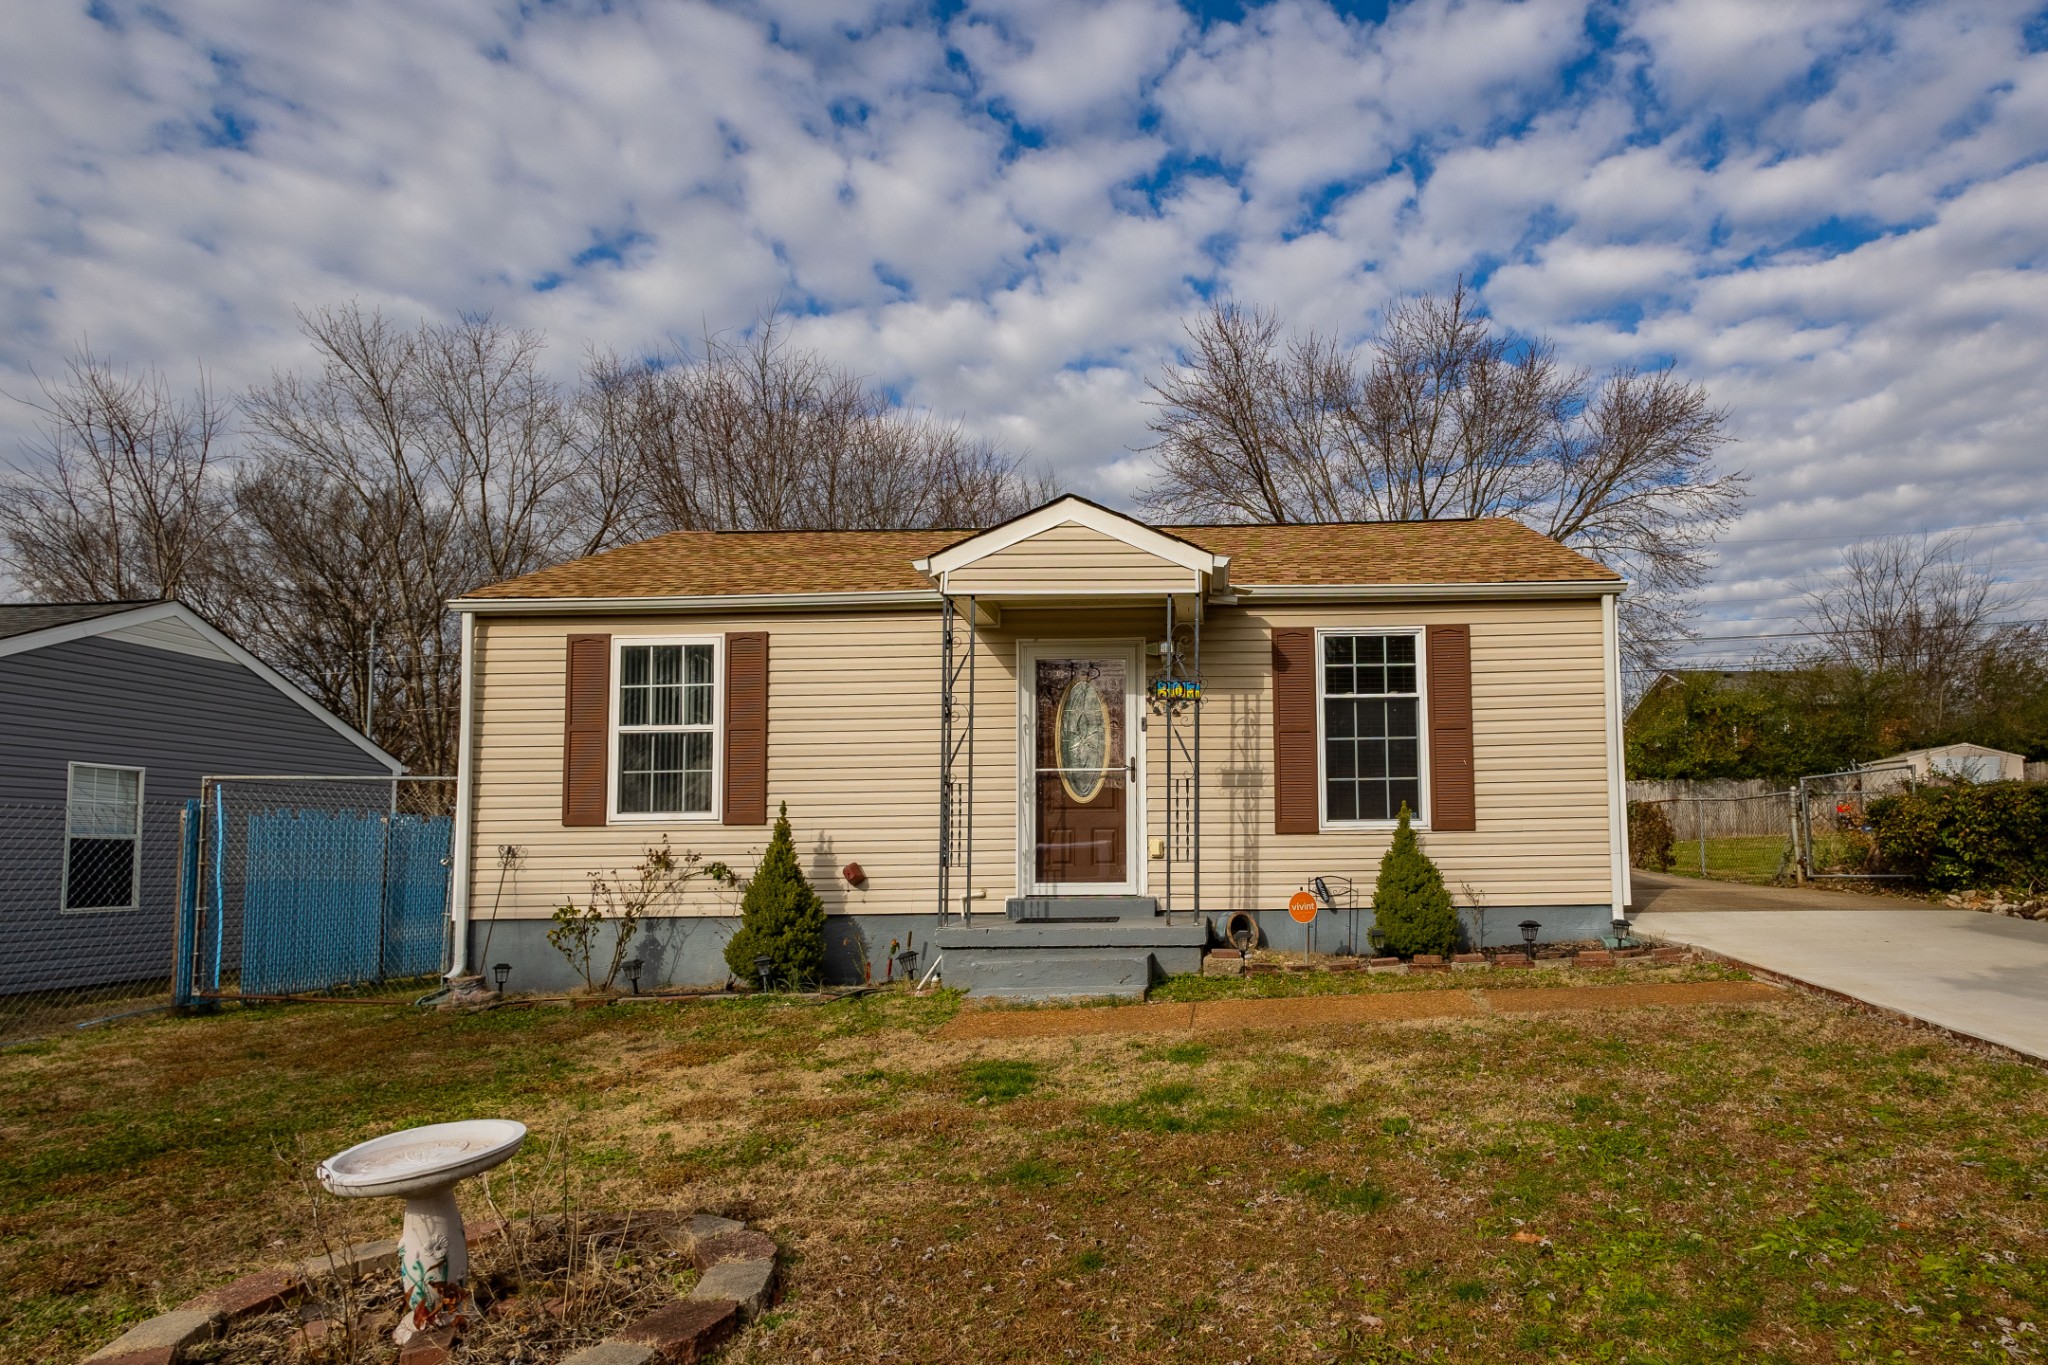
(1066, 557)
(853, 719)
(1539, 759)
(853, 741)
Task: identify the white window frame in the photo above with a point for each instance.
(621, 643)
(1421, 822)
(64, 905)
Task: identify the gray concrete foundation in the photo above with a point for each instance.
(690, 952)
(1494, 926)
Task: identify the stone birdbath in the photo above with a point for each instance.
(422, 1166)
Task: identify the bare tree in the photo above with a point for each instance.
(122, 498)
(1913, 607)
(754, 433)
(1439, 415)
(413, 465)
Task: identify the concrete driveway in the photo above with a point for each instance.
(1985, 976)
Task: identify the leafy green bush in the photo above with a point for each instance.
(1650, 836)
(1966, 837)
(1409, 902)
(780, 916)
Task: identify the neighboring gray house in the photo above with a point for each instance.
(110, 714)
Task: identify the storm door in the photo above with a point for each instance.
(1083, 772)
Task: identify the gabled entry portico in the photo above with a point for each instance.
(1086, 917)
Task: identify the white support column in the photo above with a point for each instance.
(459, 843)
(1617, 757)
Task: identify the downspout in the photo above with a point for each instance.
(465, 798)
(1617, 758)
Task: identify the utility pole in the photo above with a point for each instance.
(370, 684)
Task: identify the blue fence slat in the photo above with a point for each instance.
(416, 894)
(331, 898)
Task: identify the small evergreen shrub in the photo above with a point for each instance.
(1650, 836)
(781, 916)
(1409, 902)
(1966, 837)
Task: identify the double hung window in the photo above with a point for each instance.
(665, 728)
(1372, 727)
(102, 838)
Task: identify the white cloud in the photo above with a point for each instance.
(1829, 212)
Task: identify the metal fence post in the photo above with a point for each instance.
(186, 934)
(1699, 828)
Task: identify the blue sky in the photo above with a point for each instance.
(1830, 211)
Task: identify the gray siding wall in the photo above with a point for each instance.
(178, 717)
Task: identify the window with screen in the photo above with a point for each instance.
(102, 837)
(666, 743)
(1372, 718)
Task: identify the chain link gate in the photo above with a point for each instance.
(304, 885)
(1832, 814)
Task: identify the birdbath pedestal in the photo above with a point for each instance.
(422, 1166)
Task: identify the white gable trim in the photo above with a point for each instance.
(1059, 512)
(117, 623)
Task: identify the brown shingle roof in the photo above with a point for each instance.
(721, 563)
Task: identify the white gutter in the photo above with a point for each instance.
(465, 793)
(1408, 592)
(1617, 759)
(728, 602)
(908, 598)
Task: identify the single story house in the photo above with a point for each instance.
(1971, 762)
(114, 712)
(1062, 753)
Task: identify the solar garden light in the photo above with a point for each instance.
(1529, 928)
(632, 966)
(763, 965)
(502, 971)
(1621, 928)
(906, 963)
(1377, 937)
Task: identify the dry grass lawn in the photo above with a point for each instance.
(1778, 1181)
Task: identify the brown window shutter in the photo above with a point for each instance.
(1297, 805)
(1451, 798)
(746, 728)
(586, 710)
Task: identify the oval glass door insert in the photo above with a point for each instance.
(1081, 726)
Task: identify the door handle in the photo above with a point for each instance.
(1131, 767)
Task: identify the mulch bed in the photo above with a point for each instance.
(544, 1289)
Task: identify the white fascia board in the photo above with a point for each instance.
(86, 629)
(1398, 592)
(731, 602)
(1082, 512)
(185, 616)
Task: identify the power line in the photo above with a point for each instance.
(1799, 634)
(1880, 535)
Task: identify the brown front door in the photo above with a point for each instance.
(1082, 772)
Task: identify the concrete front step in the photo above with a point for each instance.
(1037, 909)
(1055, 960)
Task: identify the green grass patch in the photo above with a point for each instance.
(1756, 860)
(998, 1082)
(1346, 1196)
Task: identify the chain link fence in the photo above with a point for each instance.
(1832, 812)
(88, 909)
(1745, 838)
(314, 885)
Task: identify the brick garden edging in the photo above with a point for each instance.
(736, 1280)
(1231, 962)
